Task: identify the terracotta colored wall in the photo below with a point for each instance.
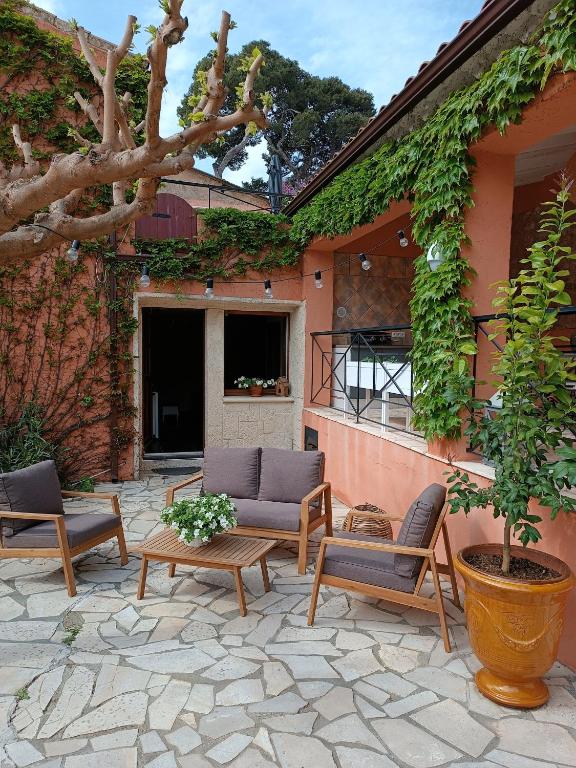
(528, 207)
(364, 467)
(380, 296)
(319, 305)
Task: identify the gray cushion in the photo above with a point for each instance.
(233, 471)
(278, 515)
(80, 527)
(33, 489)
(288, 476)
(365, 565)
(418, 527)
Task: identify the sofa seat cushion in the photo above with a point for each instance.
(80, 527)
(234, 471)
(365, 565)
(269, 514)
(33, 489)
(418, 527)
(288, 476)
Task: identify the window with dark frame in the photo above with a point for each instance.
(255, 345)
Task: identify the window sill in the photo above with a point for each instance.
(256, 400)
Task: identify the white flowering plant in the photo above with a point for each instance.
(200, 518)
(245, 382)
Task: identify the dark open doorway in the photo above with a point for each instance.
(173, 380)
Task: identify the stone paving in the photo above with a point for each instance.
(179, 680)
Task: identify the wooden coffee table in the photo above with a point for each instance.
(224, 552)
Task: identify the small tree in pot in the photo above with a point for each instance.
(530, 444)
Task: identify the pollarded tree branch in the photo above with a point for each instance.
(169, 33)
(90, 111)
(111, 105)
(117, 160)
(33, 239)
(24, 146)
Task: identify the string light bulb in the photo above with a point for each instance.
(268, 289)
(209, 292)
(404, 242)
(365, 262)
(318, 279)
(145, 276)
(72, 252)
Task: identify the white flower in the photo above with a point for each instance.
(213, 524)
(205, 538)
(196, 533)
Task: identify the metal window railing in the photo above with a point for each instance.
(366, 373)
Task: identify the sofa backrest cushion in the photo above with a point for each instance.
(33, 489)
(234, 471)
(288, 476)
(418, 527)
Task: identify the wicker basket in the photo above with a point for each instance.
(368, 526)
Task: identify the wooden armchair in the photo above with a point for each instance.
(392, 570)
(278, 494)
(33, 522)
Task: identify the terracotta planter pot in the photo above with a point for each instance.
(514, 626)
(255, 391)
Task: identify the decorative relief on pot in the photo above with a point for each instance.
(515, 630)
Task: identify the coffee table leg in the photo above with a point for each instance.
(240, 591)
(265, 578)
(171, 570)
(142, 580)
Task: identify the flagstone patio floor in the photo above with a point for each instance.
(179, 680)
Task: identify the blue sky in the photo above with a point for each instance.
(372, 44)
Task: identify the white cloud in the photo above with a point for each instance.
(253, 167)
(52, 6)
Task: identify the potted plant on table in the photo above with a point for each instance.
(255, 386)
(198, 520)
(515, 597)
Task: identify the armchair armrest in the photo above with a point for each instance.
(111, 497)
(397, 549)
(29, 516)
(171, 490)
(318, 491)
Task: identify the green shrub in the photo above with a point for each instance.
(23, 442)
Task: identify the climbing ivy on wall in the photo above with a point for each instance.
(232, 243)
(433, 167)
(63, 370)
(39, 72)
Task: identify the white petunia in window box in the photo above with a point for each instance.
(255, 386)
(198, 520)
